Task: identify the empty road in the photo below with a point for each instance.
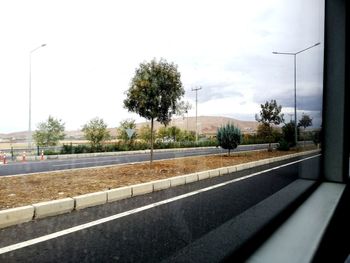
(63, 164)
(148, 228)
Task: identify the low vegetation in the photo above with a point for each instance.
(229, 137)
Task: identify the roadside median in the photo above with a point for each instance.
(29, 212)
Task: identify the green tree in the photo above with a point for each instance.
(188, 136)
(182, 108)
(144, 133)
(288, 133)
(270, 114)
(123, 126)
(267, 133)
(229, 137)
(162, 133)
(154, 92)
(317, 136)
(49, 133)
(305, 122)
(95, 131)
(174, 133)
(263, 131)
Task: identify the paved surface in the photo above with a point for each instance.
(54, 165)
(152, 234)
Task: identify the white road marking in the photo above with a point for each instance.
(134, 211)
(74, 163)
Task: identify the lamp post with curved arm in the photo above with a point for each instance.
(30, 97)
(295, 83)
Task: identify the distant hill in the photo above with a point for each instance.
(206, 125)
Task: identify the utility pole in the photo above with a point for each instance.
(196, 90)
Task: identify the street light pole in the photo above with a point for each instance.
(196, 90)
(30, 97)
(295, 85)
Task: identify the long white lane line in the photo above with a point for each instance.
(134, 211)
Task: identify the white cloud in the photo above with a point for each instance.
(94, 47)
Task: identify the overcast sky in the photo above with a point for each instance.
(94, 47)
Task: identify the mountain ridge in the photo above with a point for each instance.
(206, 125)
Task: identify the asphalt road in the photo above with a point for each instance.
(55, 165)
(147, 228)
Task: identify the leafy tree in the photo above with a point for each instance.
(270, 114)
(154, 92)
(126, 124)
(49, 133)
(229, 137)
(267, 133)
(263, 131)
(188, 136)
(95, 131)
(144, 133)
(182, 108)
(175, 133)
(316, 138)
(288, 133)
(305, 122)
(162, 133)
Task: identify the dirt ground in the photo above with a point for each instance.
(23, 190)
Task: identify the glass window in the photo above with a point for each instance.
(232, 91)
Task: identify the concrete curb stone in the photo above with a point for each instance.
(140, 189)
(55, 207)
(88, 200)
(203, 175)
(190, 178)
(161, 184)
(178, 180)
(16, 215)
(119, 193)
(214, 173)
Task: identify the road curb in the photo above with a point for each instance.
(88, 200)
(52, 208)
(23, 214)
(141, 189)
(15, 216)
(119, 193)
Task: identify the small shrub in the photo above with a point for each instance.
(50, 152)
(283, 145)
(229, 137)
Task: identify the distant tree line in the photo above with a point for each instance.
(155, 93)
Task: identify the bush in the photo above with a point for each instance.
(283, 145)
(316, 138)
(134, 146)
(50, 152)
(288, 131)
(229, 137)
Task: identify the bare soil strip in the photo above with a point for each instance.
(28, 189)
